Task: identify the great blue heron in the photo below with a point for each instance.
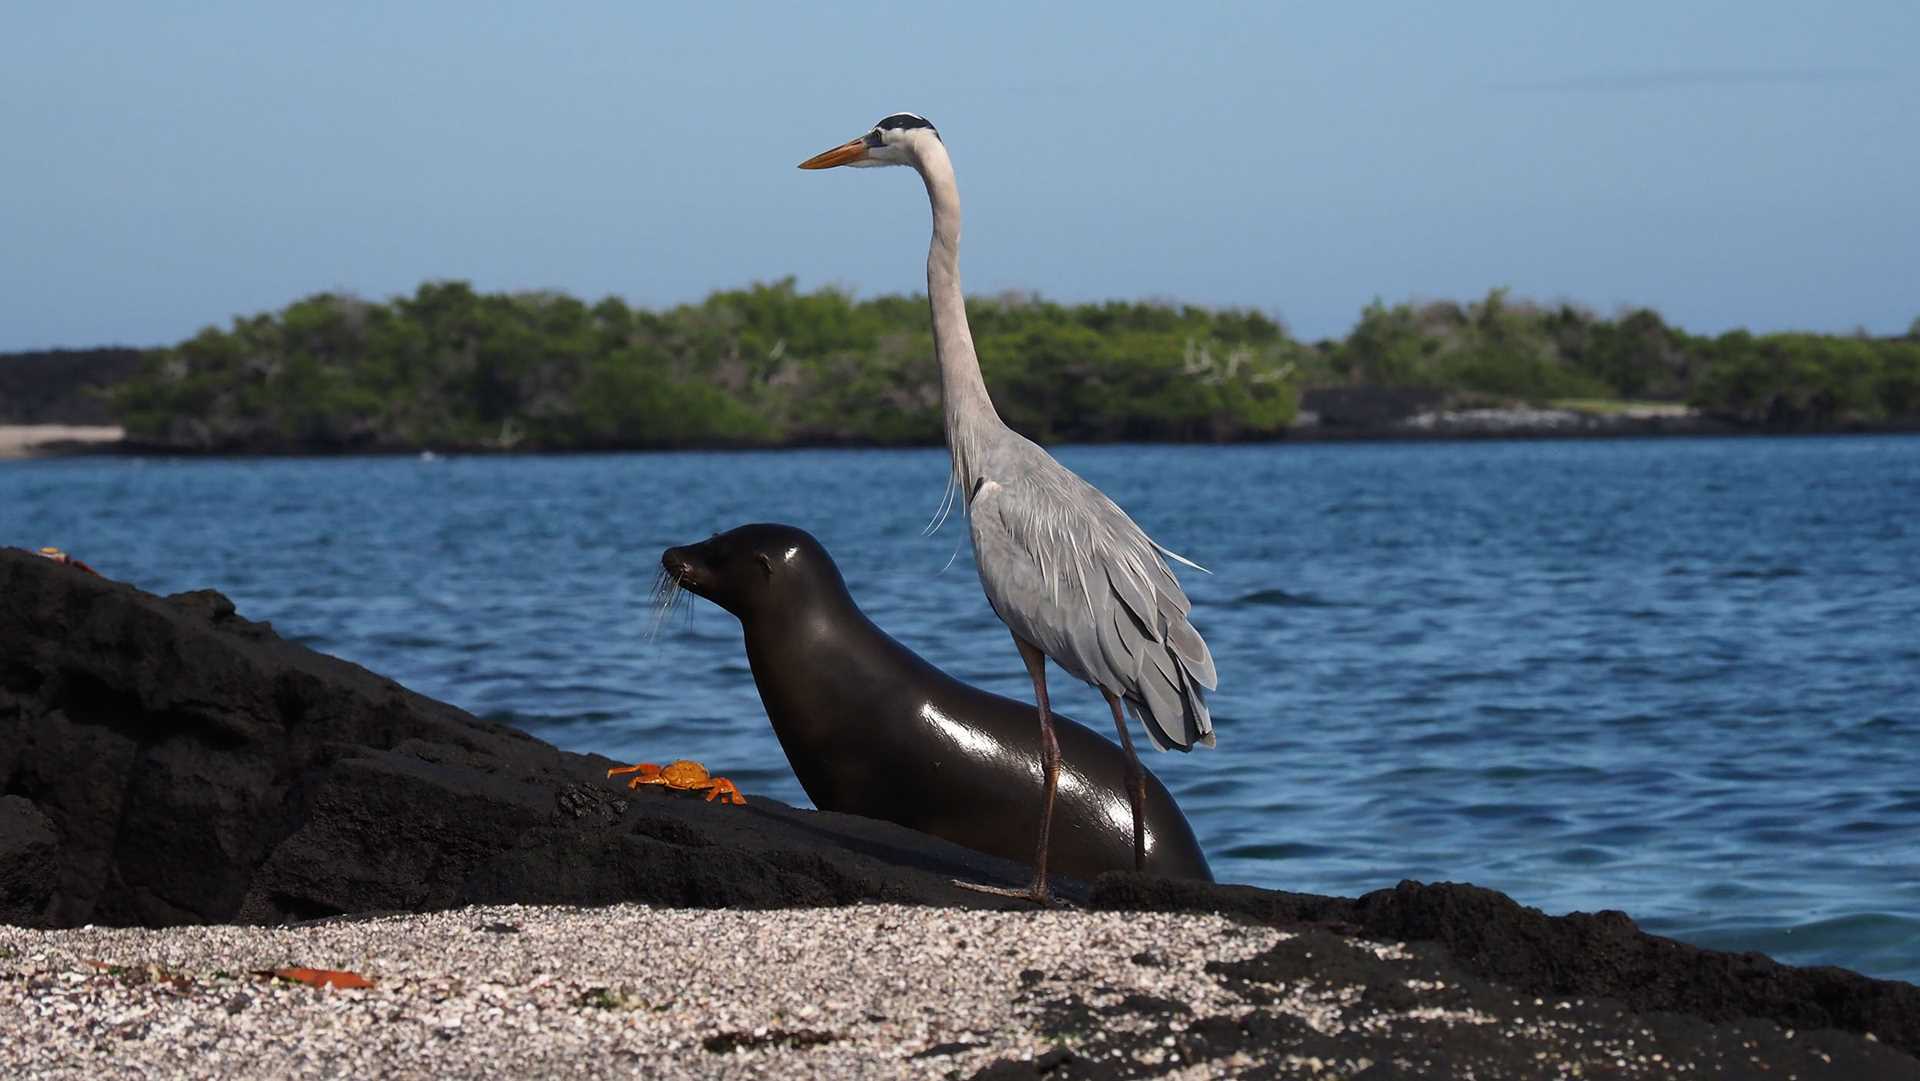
(1069, 573)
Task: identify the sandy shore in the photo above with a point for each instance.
(22, 440)
(876, 991)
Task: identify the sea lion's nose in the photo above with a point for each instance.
(676, 562)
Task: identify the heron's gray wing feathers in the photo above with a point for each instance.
(1068, 571)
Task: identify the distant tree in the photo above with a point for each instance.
(451, 367)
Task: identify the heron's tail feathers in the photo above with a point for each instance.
(1172, 704)
(1190, 650)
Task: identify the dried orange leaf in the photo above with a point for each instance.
(322, 977)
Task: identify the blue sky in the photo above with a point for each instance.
(1730, 164)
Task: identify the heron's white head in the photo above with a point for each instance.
(895, 140)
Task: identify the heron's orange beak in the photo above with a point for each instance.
(844, 154)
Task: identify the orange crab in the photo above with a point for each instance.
(59, 556)
(684, 774)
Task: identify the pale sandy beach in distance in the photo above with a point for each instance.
(23, 440)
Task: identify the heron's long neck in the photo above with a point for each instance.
(962, 390)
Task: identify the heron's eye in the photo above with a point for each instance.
(872, 138)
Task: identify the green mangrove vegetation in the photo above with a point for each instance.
(450, 367)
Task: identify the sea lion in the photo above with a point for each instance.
(872, 729)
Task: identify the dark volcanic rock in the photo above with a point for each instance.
(165, 761)
(1368, 408)
(1581, 954)
(1410, 1013)
(29, 859)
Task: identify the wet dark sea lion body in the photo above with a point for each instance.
(872, 729)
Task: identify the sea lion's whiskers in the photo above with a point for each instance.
(667, 591)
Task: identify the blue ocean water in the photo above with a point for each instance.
(1679, 678)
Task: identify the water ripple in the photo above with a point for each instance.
(1280, 598)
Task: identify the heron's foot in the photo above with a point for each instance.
(1038, 893)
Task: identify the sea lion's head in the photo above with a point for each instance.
(755, 569)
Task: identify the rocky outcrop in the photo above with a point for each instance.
(166, 761)
(1395, 413)
(29, 845)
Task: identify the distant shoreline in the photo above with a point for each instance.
(454, 370)
(1452, 426)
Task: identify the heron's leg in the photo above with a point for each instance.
(1049, 763)
(1039, 893)
(1136, 781)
